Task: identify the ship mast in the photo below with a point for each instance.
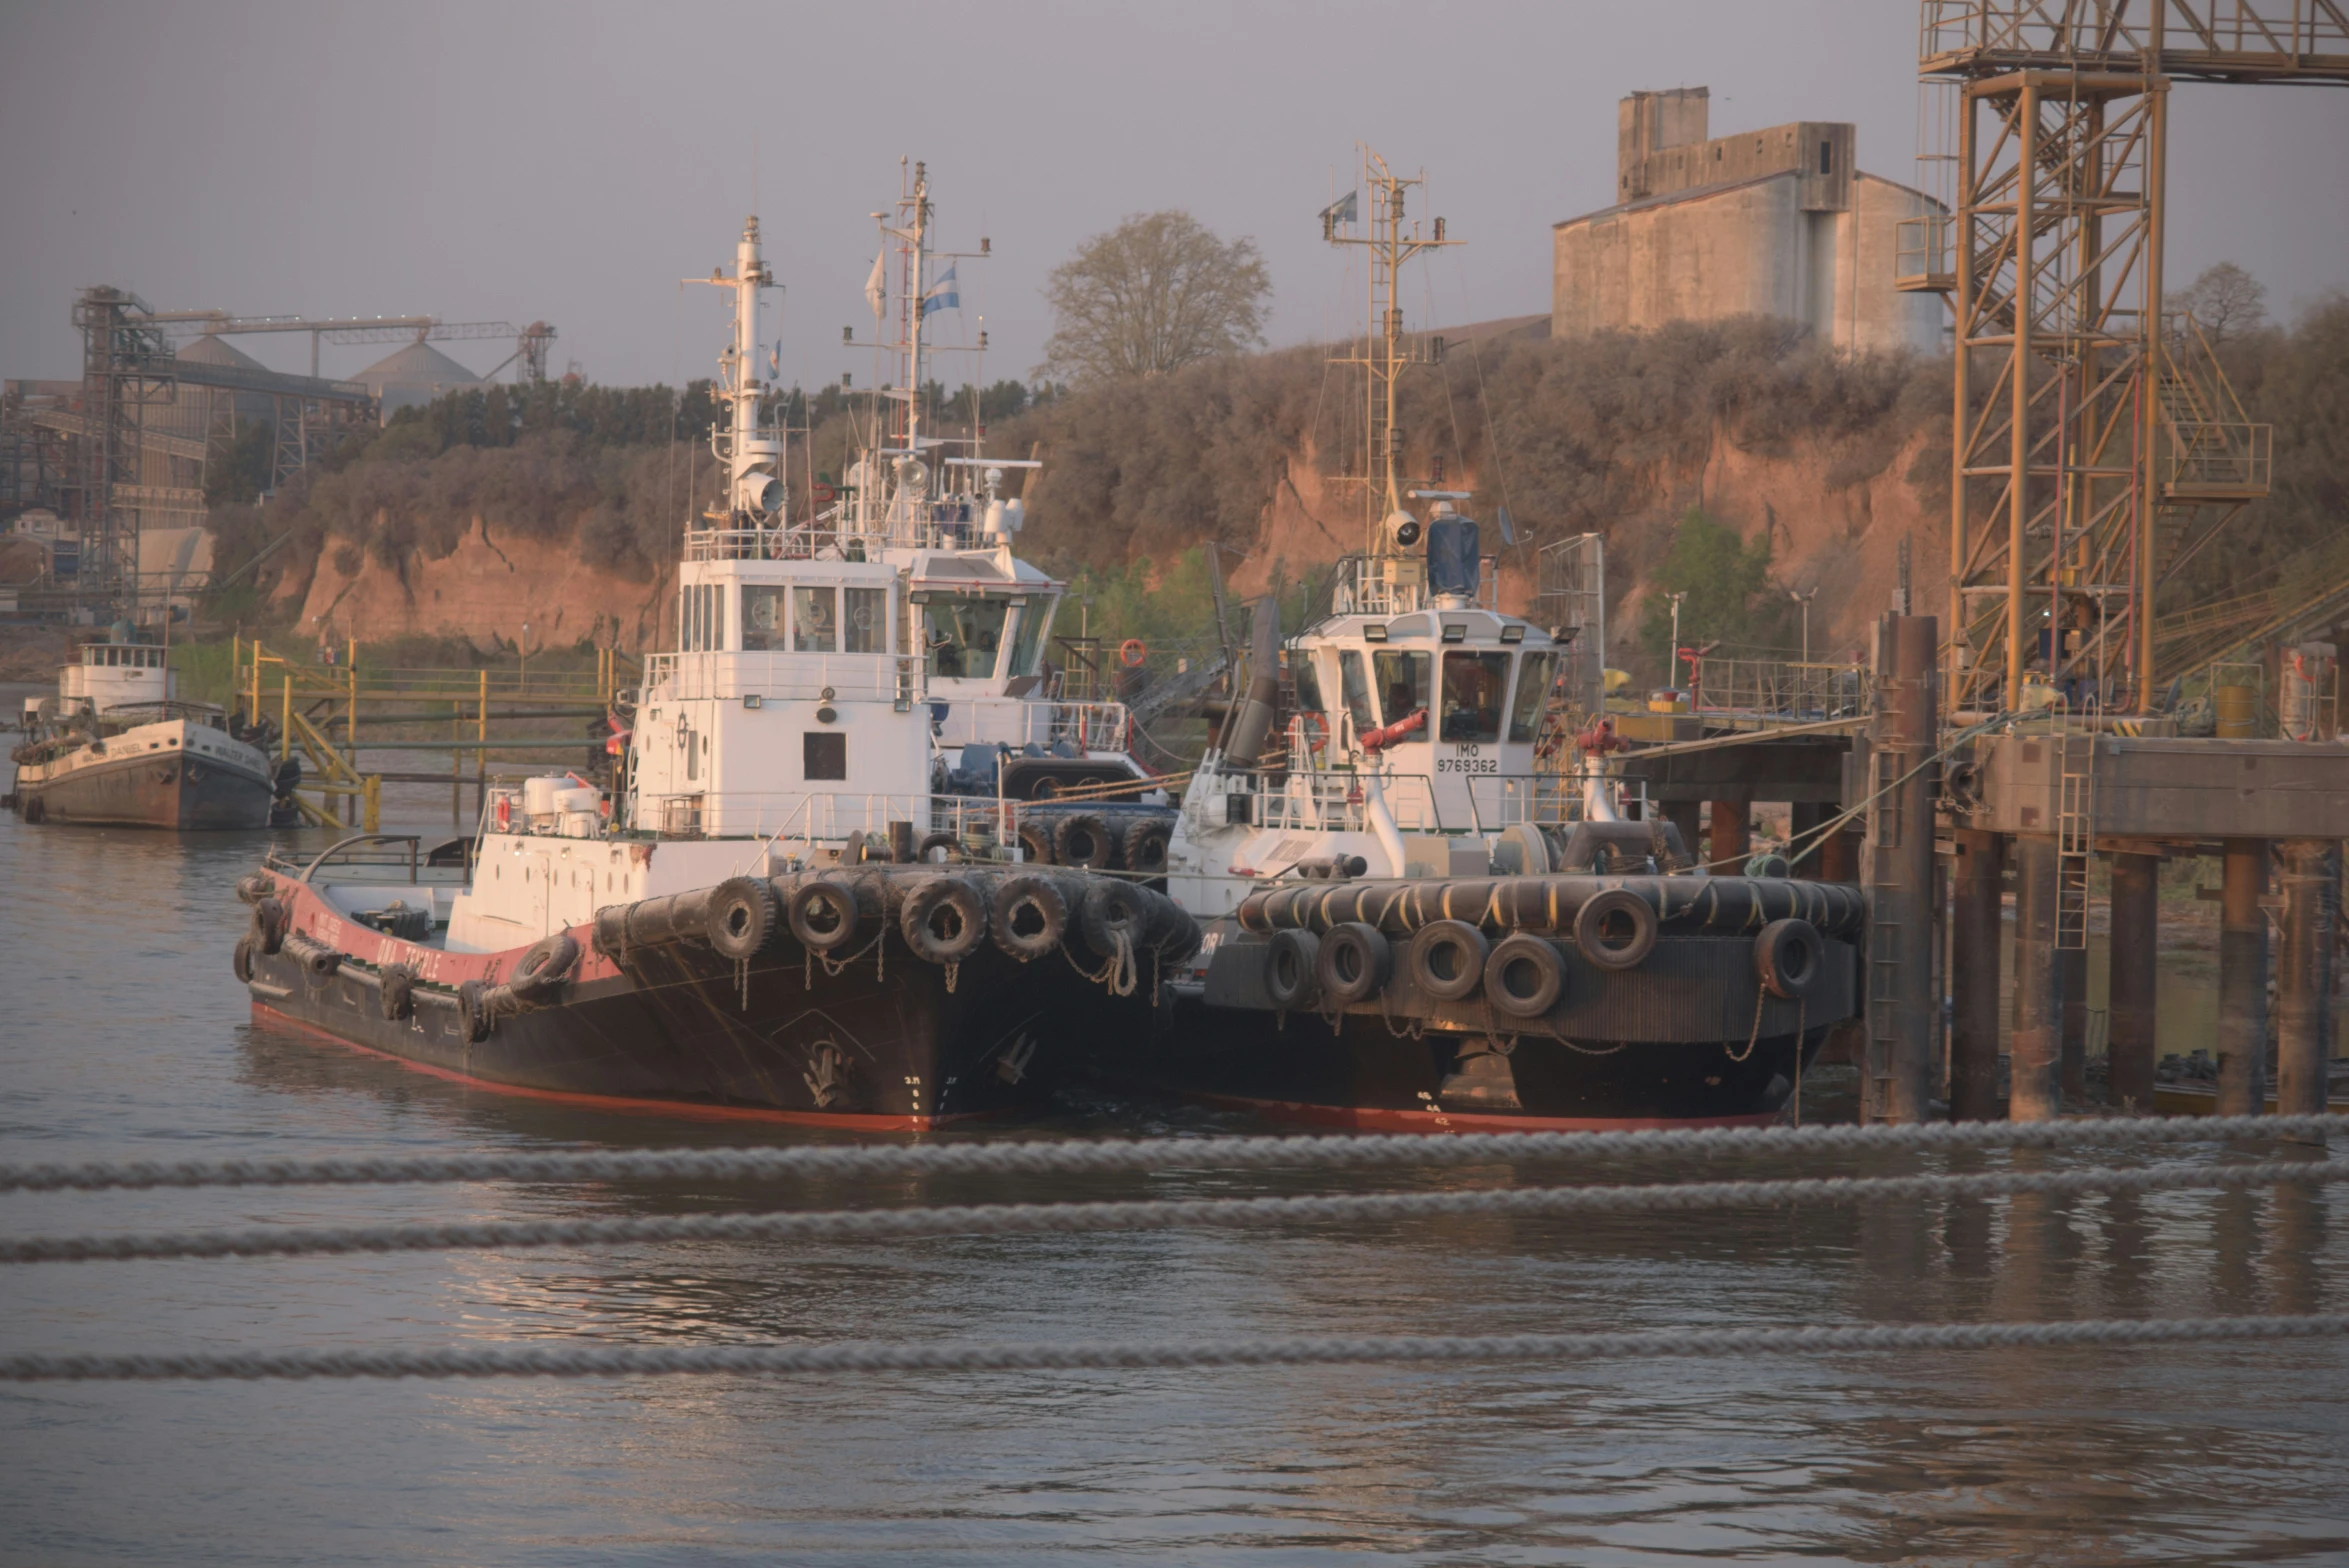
(1385, 355)
(754, 492)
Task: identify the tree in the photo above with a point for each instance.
(1725, 587)
(1159, 291)
(2227, 301)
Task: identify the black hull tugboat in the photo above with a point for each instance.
(1421, 909)
(881, 998)
(116, 748)
(1557, 1002)
(812, 893)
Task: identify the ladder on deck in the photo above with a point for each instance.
(2075, 833)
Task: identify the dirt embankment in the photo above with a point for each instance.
(485, 591)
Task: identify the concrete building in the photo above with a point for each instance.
(1778, 222)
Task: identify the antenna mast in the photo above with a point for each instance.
(1384, 355)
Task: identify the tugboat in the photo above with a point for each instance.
(778, 912)
(1417, 915)
(116, 747)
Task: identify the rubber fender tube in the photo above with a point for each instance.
(955, 854)
(254, 887)
(739, 919)
(1181, 943)
(1027, 917)
(1447, 959)
(1082, 839)
(1145, 846)
(1036, 843)
(269, 926)
(1112, 909)
(1788, 957)
(1291, 969)
(397, 996)
(242, 959)
(823, 916)
(1524, 975)
(1615, 929)
(316, 958)
(610, 934)
(944, 920)
(542, 969)
(1355, 964)
(473, 1010)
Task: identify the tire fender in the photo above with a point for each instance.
(1027, 917)
(1356, 963)
(1447, 958)
(740, 918)
(1615, 929)
(1788, 958)
(944, 920)
(823, 916)
(1524, 975)
(1082, 839)
(1292, 962)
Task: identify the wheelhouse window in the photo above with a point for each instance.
(1534, 674)
(864, 620)
(701, 617)
(1475, 686)
(1402, 681)
(1028, 636)
(815, 620)
(963, 636)
(1308, 684)
(1354, 685)
(762, 618)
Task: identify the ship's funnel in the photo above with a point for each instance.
(1252, 722)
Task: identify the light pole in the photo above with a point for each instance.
(1803, 670)
(522, 681)
(1674, 680)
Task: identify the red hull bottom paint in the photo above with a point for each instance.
(688, 1110)
(1372, 1119)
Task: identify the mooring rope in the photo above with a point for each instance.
(1093, 1156)
(1149, 1214)
(574, 1360)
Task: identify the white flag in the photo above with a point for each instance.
(873, 292)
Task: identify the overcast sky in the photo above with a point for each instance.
(571, 163)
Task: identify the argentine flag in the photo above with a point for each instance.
(945, 294)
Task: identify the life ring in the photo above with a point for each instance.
(944, 920)
(740, 917)
(1447, 959)
(1524, 975)
(1787, 958)
(1132, 652)
(1318, 739)
(1292, 976)
(1356, 960)
(1028, 917)
(823, 916)
(1615, 929)
(505, 812)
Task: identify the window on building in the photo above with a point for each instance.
(815, 620)
(865, 620)
(1826, 157)
(1354, 684)
(824, 755)
(1402, 681)
(1534, 672)
(762, 619)
(1475, 686)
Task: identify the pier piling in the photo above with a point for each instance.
(1733, 837)
(1975, 930)
(1900, 878)
(2136, 943)
(2310, 873)
(2073, 1073)
(2035, 1054)
(2242, 1027)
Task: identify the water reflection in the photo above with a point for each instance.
(126, 1035)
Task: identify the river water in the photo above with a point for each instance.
(123, 1033)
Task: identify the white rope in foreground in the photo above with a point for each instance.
(1086, 1156)
(1217, 1213)
(569, 1360)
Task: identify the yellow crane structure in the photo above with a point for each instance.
(2097, 446)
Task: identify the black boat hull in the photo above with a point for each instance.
(154, 791)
